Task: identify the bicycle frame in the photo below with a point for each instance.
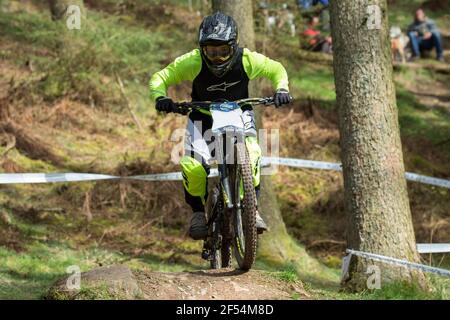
(224, 204)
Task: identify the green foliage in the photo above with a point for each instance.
(401, 291)
(83, 63)
(313, 82)
(418, 121)
(289, 274)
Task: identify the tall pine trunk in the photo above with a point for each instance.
(58, 8)
(275, 246)
(376, 199)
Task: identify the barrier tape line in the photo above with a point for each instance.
(393, 261)
(12, 178)
(433, 247)
(301, 163)
(312, 164)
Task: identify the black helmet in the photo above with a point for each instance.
(218, 40)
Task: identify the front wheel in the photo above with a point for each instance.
(245, 234)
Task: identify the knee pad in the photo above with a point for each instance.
(194, 177)
(254, 152)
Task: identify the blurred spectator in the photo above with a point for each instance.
(324, 14)
(314, 40)
(304, 4)
(324, 11)
(323, 2)
(424, 35)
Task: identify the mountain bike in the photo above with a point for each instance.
(231, 206)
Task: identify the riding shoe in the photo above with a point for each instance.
(198, 229)
(261, 226)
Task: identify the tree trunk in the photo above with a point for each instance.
(58, 8)
(376, 199)
(276, 246)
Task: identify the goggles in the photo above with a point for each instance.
(218, 54)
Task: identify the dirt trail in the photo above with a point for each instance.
(120, 282)
(224, 284)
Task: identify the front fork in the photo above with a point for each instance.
(230, 199)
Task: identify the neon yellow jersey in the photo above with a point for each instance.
(188, 66)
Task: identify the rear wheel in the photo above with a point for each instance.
(245, 235)
(216, 260)
(221, 257)
(226, 254)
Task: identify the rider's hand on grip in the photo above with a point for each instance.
(180, 109)
(282, 97)
(165, 104)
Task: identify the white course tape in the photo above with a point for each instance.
(394, 261)
(427, 180)
(299, 163)
(173, 176)
(13, 178)
(433, 247)
(7, 178)
(10, 178)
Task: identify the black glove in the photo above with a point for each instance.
(165, 104)
(281, 97)
(180, 110)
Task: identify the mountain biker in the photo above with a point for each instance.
(219, 70)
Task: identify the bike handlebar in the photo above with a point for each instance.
(195, 105)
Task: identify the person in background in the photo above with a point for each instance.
(324, 14)
(315, 41)
(424, 35)
(323, 11)
(304, 4)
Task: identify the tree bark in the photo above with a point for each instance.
(376, 199)
(276, 246)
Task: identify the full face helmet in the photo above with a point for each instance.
(218, 41)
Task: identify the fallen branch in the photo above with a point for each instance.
(442, 143)
(128, 104)
(10, 144)
(87, 206)
(319, 57)
(439, 68)
(29, 144)
(325, 241)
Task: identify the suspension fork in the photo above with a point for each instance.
(225, 180)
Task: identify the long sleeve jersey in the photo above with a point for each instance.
(208, 87)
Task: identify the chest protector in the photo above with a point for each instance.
(231, 86)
